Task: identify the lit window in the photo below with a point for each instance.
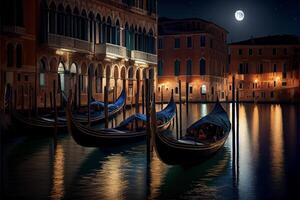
(203, 89)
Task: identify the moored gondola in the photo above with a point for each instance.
(132, 129)
(203, 138)
(46, 123)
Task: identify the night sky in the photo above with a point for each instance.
(262, 17)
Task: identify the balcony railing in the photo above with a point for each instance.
(111, 50)
(143, 57)
(14, 29)
(60, 41)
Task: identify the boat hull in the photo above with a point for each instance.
(172, 152)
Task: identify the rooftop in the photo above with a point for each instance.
(271, 40)
(167, 26)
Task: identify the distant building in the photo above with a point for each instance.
(266, 68)
(195, 52)
(46, 40)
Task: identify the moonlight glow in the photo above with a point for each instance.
(239, 15)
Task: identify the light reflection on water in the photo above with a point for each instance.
(269, 160)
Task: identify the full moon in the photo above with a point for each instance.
(239, 15)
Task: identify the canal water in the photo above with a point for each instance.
(267, 164)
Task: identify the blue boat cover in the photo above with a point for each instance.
(164, 115)
(112, 106)
(218, 116)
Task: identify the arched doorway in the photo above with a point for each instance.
(61, 73)
(73, 73)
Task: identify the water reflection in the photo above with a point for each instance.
(276, 147)
(58, 173)
(269, 162)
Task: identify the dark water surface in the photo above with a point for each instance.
(268, 164)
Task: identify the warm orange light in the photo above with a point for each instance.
(277, 78)
(256, 81)
(59, 52)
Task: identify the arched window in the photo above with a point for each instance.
(203, 89)
(68, 23)
(118, 32)
(44, 20)
(177, 68)
(52, 18)
(84, 26)
(19, 13)
(42, 72)
(61, 72)
(99, 78)
(202, 67)
(151, 42)
(109, 31)
(136, 38)
(98, 29)
(60, 20)
(92, 25)
(160, 68)
(10, 55)
(103, 31)
(76, 23)
(127, 36)
(189, 67)
(140, 40)
(132, 38)
(73, 69)
(130, 73)
(19, 56)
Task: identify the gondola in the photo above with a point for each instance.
(46, 123)
(132, 129)
(203, 138)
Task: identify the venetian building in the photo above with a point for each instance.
(98, 40)
(266, 68)
(195, 52)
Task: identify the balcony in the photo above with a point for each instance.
(143, 57)
(112, 51)
(14, 29)
(59, 41)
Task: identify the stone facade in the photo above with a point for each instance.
(195, 52)
(266, 68)
(72, 41)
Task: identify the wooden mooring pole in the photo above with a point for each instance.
(55, 109)
(161, 98)
(23, 96)
(180, 109)
(148, 125)
(187, 97)
(89, 99)
(233, 130)
(153, 122)
(124, 107)
(15, 99)
(106, 106)
(143, 98)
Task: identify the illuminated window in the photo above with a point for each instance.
(42, 73)
(203, 89)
